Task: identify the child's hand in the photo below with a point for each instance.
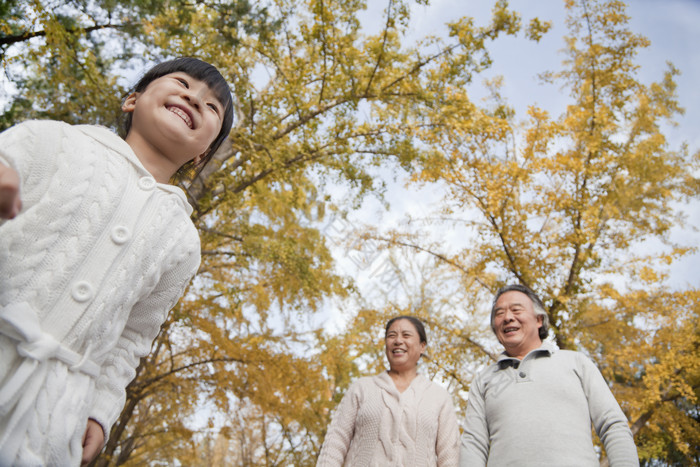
(10, 203)
(93, 440)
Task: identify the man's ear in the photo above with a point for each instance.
(129, 103)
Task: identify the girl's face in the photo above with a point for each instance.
(403, 345)
(176, 117)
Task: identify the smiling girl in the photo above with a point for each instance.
(98, 250)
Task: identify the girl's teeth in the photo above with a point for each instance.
(182, 114)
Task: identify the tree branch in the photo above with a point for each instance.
(9, 40)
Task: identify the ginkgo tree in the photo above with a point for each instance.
(241, 373)
(259, 204)
(316, 102)
(564, 205)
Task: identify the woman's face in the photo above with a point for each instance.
(403, 345)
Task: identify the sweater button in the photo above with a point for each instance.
(522, 374)
(82, 291)
(120, 234)
(147, 183)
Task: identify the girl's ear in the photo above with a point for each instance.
(130, 103)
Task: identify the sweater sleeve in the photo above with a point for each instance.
(29, 149)
(608, 419)
(14, 142)
(341, 430)
(142, 327)
(475, 439)
(447, 442)
(7, 138)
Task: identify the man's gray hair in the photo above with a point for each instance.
(536, 305)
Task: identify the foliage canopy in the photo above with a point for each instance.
(561, 203)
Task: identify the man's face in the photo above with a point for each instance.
(516, 325)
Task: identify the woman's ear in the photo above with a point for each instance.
(129, 103)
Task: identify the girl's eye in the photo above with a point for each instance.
(214, 107)
(183, 82)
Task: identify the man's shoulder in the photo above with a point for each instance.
(574, 359)
(489, 372)
(573, 355)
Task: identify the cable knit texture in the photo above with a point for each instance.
(88, 272)
(376, 425)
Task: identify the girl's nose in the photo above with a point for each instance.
(193, 100)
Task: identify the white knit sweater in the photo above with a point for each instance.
(376, 425)
(88, 272)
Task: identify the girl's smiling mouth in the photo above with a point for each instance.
(182, 113)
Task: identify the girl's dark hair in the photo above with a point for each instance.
(416, 324)
(204, 72)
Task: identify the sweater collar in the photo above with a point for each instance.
(545, 349)
(419, 384)
(111, 140)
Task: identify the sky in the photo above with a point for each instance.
(671, 26)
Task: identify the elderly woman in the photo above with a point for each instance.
(397, 418)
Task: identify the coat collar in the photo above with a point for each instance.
(545, 349)
(419, 384)
(111, 140)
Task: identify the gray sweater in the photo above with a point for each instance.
(538, 412)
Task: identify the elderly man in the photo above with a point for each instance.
(534, 407)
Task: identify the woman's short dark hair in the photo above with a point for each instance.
(204, 72)
(420, 329)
